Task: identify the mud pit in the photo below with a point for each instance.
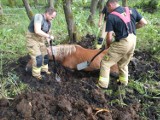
(77, 97)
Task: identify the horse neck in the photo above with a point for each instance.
(85, 54)
(62, 51)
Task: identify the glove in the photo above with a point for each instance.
(100, 40)
(98, 46)
(99, 43)
(51, 37)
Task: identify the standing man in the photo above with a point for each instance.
(104, 15)
(37, 36)
(123, 22)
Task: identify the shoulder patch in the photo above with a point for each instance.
(38, 18)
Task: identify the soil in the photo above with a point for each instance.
(76, 96)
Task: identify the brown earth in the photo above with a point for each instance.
(77, 97)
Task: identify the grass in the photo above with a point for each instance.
(11, 86)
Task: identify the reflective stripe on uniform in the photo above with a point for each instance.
(45, 68)
(123, 79)
(103, 82)
(98, 46)
(36, 71)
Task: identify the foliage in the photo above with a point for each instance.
(150, 6)
(150, 41)
(11, 86)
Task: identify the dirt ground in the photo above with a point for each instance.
(77, 97)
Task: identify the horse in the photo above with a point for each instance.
(69, 55)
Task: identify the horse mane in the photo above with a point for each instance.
(61, 51)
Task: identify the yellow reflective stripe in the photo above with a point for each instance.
(98, 46)
(106, 57)
(122, 79)
(36, 69)
(44, 66)
(103, 82)
(103, 79)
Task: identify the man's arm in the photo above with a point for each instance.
(141, 23)
(109, 38)
(37, 26)
(100, 20)
(37, 29)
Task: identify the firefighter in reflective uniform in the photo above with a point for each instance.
(37, 37)
(123, 22)
(104, 15)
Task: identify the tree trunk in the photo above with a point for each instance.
(35, 2)
(70, 21)
(100, 5)
(1, 10)
(124, 3)
(92, 11)
(11, 3)
(28, 9)
(51, 3)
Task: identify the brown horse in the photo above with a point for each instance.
(71, 55)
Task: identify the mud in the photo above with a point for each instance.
(77, 97)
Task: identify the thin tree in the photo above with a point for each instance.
(1, 10)
(92, 11)
(124, 3)
(12, 3)
(28, 9)
(51, 3)
(36, 2)
(70, 21)
(100, 5)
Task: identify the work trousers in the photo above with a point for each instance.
(38, 52)
(104, 33)
(103, 36)
(119, 53)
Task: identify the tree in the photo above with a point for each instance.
(12, 3)
(92, 11)
(72, 31)
(35, 2)
(28, 9)
(50, 3)
(100, 5)
(1, 10)
(124, 3)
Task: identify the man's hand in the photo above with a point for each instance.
(99, 24)
(51, 37)
(109, 38)
(49, 51)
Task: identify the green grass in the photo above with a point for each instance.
(11, 86)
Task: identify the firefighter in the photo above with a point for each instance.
(123, 21)
(103, 15)
(37, 36)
